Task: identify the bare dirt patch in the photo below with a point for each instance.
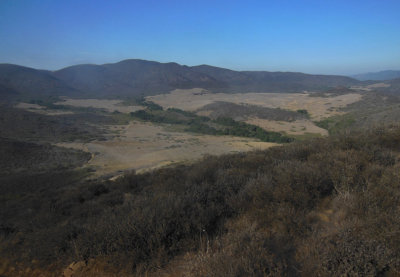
(318, 107)
(143, 146)
(41, 109)
(108, 105)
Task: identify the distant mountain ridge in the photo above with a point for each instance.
(266, 81)
(135, 77)
(15, 79)
(378, 76)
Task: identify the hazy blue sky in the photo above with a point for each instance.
(321, 36)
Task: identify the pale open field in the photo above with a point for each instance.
(144, 146)
(318, 107)
(371, 87)
(108, 105)
(297, 127)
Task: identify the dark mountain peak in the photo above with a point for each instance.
(140, 62)
(134, 62)
(174, 64)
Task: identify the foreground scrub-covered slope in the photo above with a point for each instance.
(324, 207)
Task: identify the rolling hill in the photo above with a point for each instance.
(265, 81)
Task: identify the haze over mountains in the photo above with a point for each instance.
(378, 76)
(139, 77)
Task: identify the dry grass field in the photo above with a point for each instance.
(297, 127)
(108, 105)
(371, 87)
(143, 146)
(318, 107)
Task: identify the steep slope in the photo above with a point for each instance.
(378, 76)
(25, 81)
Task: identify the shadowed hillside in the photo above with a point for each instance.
(23, 125)
(19, 156)
(26, 81)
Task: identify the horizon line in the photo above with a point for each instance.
(173, 62)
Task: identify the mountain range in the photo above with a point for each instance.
(378, 76)
(135, 77)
